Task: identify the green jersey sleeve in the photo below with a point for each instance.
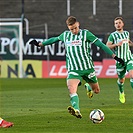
(91, 37)
(110, 39)
(54, 39)
(104, 47)
(61, 37)
(50, 41)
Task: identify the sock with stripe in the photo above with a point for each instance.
(74, 100)
(120, 85)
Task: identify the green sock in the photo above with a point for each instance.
(131, 82)
(88, 87)
(120, 85)
(74, 101)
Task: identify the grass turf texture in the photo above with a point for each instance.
(40, 106)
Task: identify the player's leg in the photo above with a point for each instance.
(120, 82)
(89, 90)
(5, 124)
(72, 85)
(92, 84)
(95, 87)
(92, 88)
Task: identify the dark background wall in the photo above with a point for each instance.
(54, 13)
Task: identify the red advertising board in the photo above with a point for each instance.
(57, 69)
(54, 69)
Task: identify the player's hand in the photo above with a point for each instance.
(119, 60)
(119, 43)
(34, 42)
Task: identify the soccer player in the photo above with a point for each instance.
(79, 62)
(119, 41)
(5, 124)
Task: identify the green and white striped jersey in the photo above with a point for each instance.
(122, 51)
(78, 49)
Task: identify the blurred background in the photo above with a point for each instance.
(42, 19)
(95, 15)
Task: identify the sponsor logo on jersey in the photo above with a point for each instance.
(74, 43)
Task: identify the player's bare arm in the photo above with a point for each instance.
(112, 46)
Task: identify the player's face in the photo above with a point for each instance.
(118, 24)
(74, 28)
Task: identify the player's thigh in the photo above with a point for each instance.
(73, 80)
(74, 75)
(93, 82)
(72, 85)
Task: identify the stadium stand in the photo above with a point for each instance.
(54, 13)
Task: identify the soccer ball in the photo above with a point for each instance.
(97, 116)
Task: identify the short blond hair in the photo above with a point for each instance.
(71, 20)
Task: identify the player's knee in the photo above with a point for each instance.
(97, 90)
(71, 89)
(122, 80)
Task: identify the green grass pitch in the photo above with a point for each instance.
(40, 106)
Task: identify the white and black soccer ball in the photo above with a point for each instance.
(97, 116)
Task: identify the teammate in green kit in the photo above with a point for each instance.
(79, 62)
(119, 41)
